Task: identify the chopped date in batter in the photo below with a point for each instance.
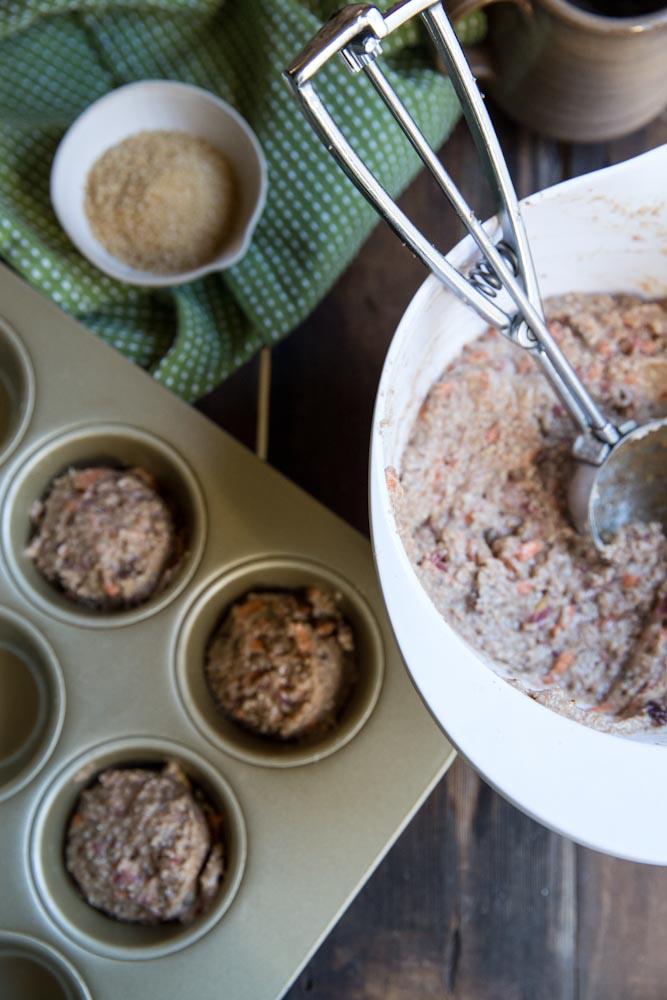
(481, 508)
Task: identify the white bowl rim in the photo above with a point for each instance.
(134, 276)
(600, 790)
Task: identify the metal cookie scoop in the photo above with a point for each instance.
(627, 485)
(619, 476)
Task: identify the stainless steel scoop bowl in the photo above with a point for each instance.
(619, 476)
(628, 486)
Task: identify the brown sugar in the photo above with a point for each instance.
(161, 201)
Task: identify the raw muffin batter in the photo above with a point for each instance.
(281, 664)
(104, 536)
(482, 511)
(143, 846)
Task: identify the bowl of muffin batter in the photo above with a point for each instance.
(544, 661)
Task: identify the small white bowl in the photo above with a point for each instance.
(151, 105)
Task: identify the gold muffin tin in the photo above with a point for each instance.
(81, 691)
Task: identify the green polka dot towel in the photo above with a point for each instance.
(58, 56)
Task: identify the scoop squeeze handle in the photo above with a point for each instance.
(356, 34)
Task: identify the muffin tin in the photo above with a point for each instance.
(81, 691)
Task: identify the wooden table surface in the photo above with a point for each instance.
(475, 901)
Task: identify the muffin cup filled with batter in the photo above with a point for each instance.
(281, 715)
(32, 701)
(103, 525)
(124, 900)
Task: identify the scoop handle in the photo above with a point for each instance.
(598, 433)
(356, 33)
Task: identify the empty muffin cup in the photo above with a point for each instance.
(33, 970)
(17, 390)
(203, 617)
(32, 701)
(87, 450)
(56, 888)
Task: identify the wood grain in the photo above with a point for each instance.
(476, 901)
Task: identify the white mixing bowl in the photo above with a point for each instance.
(606, 231)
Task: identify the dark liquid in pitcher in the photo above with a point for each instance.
(620, 8)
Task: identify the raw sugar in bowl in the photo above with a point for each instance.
(605, 233)
(147, 123)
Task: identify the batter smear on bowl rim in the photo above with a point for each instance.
(482, 511)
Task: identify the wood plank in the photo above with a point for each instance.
(233, 405)
(474, 893)
(326, 373)
(622, 917)
(622, 907)
(475, 901)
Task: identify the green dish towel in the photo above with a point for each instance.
(57, 56)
